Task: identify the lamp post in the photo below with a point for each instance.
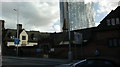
(17, 30)
(70, 48)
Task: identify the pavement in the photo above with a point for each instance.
(64, 65)
(41, 59)
(43, 62)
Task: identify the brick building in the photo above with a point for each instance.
(105, 37)
(102, 41)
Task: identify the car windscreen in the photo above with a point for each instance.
(95, 63)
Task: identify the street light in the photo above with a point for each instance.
(17, 29)
(70, 48)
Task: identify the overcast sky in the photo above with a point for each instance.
(45, 16)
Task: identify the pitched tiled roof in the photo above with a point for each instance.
(12, 33)
(113, 14)
(33, 36)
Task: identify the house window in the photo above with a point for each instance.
(23, 37)
(117, 21)
(113, 21)
(110, 43)
(108, 22)
(119, 42)
(114, 42)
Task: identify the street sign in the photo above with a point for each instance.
(77, 38)
(16, 41)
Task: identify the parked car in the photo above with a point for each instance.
(94, 63)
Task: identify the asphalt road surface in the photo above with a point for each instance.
(16, 62)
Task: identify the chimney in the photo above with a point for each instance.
(19, 26)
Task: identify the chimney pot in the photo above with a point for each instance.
(19, 26)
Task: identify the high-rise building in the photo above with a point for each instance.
(119, 3)
(78, 15)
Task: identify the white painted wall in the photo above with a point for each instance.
(23, 33)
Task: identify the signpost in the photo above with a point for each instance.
(16, 42)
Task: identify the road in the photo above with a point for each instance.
(32, 62)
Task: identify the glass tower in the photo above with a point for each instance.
(78, 14)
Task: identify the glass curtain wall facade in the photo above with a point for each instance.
(80, 15)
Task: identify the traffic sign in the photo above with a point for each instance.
(16, 41)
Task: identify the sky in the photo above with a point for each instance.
(44, 16)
